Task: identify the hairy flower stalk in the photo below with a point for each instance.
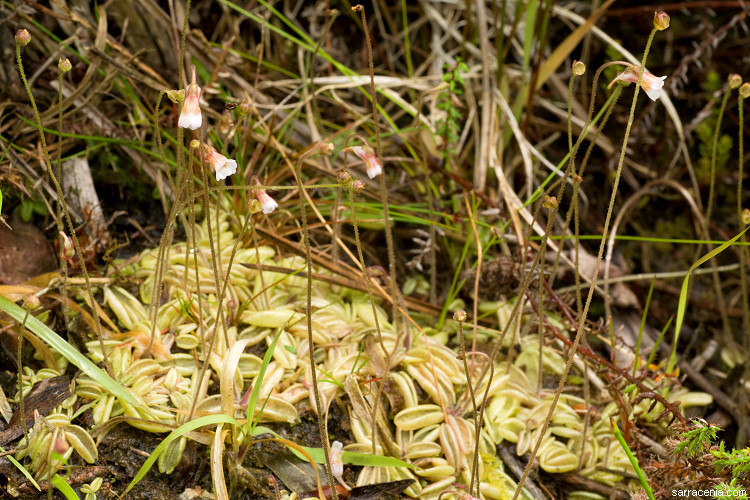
(23, 38)
(308, 314)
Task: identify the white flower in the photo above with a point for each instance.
(223, 166)
(337, 462)
(650, 83)
(267, 203)
(190, 117)
(367, 155)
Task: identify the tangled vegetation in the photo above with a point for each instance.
(361, 285)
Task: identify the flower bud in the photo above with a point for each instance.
(176, 96)
(195, 144)
(68, 250)
(459, 316)
(735, 81)
(661, 20)
(23, 37)
(746, 216)
(225, 125)
(579, 68)
(325, 148)
(245, 108)
(358, 185)
(31, 302)
(550, 202)
(255, 207)
(745, 90)
(344, 177)
(61, 446)
(64, 65)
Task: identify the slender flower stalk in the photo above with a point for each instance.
(734, 81)
(639, 81)
(744, 92)
(23, 38)
(308, 314)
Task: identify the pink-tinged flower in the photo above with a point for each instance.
(267, 203)
(337, 462)
(223, 166)
(650, 83)
(367, 155)
(190, 117)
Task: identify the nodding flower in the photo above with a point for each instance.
(337, 463)
(650, 83)
(190, 117)
(223, 166)
(367, 155)
(267, 203)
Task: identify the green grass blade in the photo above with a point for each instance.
(349, 457)
(177, 433)
(255, 393)
(655, 349)
(62, 485)
(68, 351)
(23, 470)
(643, 324)
(407, 43)
(364, 459)
(633, 460)
(682, 305)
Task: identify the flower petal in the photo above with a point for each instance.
(190, 121)
(228, 168)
